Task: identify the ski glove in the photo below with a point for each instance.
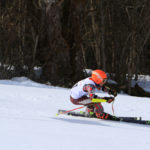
(112, 92)
(95, 96)
(109, 99)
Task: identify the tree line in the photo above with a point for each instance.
(63, 37)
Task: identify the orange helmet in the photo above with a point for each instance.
(99, 76)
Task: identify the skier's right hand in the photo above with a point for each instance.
(95, 96)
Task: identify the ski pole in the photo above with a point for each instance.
(69, 110)
(113, 106)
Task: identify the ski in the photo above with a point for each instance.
(83, 114)
(137, 120)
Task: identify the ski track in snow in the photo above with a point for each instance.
(28, 121)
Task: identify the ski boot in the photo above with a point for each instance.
(89, 112)
(106, 116)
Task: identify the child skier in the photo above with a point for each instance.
(83, 92)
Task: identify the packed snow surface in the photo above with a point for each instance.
(28, 120)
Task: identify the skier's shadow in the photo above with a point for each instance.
(80, 121)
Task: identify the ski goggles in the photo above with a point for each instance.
(99, 85)
(104, 81)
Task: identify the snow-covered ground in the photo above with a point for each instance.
(28, 121)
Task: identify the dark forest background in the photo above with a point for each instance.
(63, 37)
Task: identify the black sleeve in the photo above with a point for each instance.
(105, 88)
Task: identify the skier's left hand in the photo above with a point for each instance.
(109, 99)
(112, 92)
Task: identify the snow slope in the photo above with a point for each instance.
(28, 121)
